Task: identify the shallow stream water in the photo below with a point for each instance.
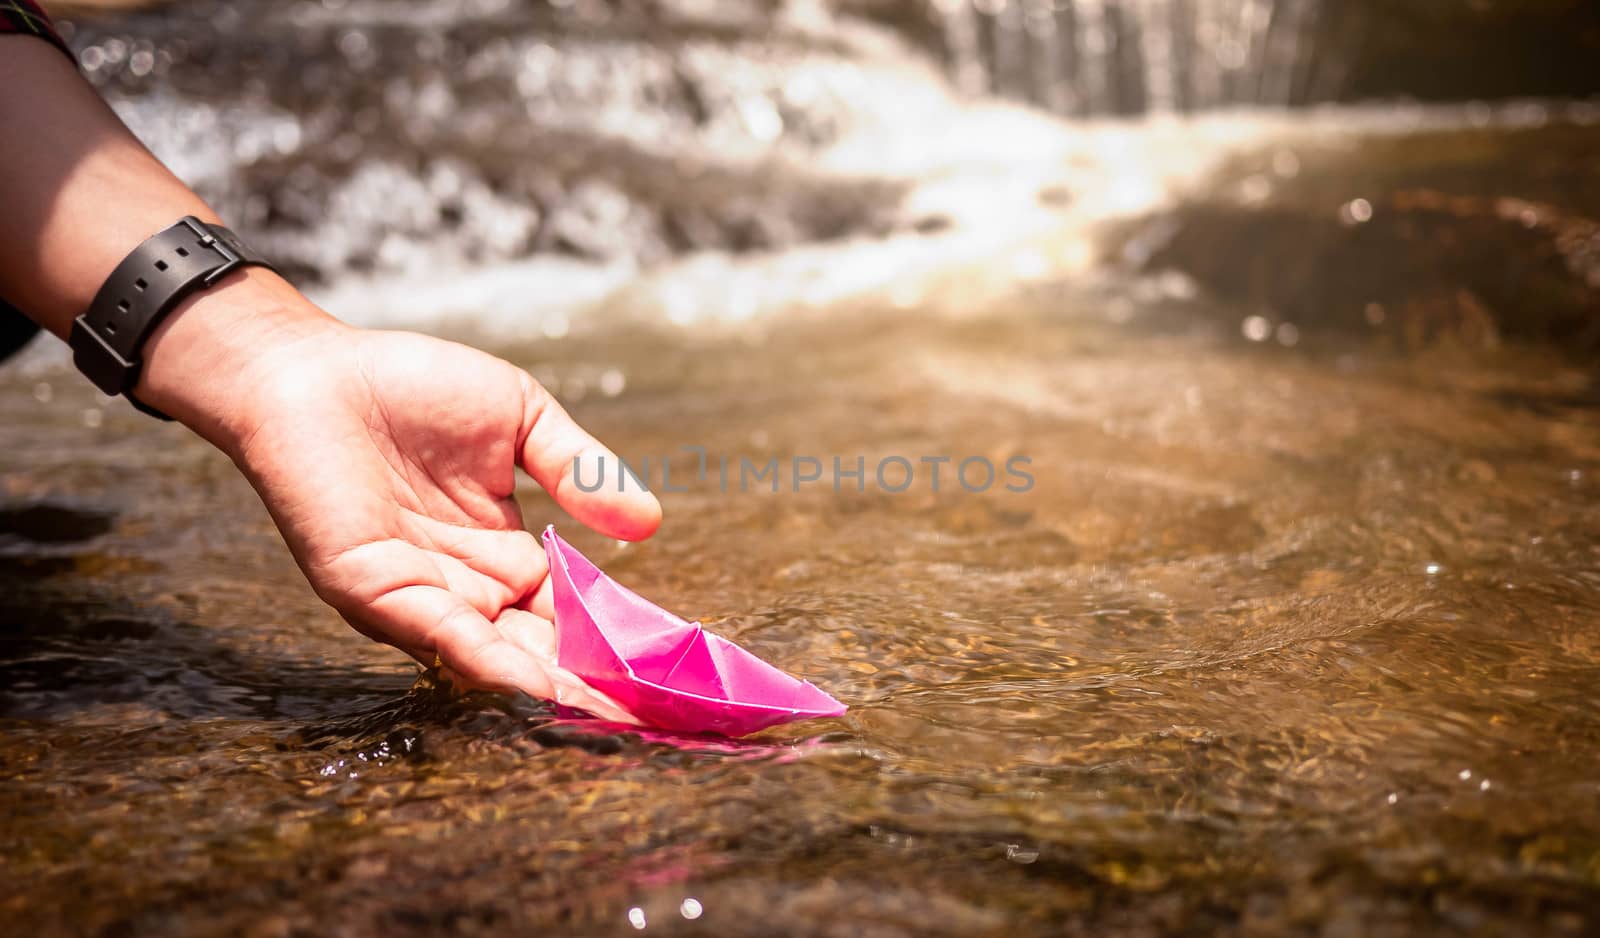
(1280, 639)
(1297, 629)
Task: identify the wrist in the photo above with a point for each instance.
(210, 359)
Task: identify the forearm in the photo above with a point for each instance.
(387, 459)
(79, 193)
(79, 190)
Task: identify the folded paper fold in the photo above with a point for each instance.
(668, 672)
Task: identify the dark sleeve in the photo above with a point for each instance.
(27, 18)
(23, 17)
(15, 330)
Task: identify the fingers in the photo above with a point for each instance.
(581, 696)
(514, 558)
(537, 636)
(554, 448)
(514, 653)
(543, 601)
(465, 641)
(532, 633)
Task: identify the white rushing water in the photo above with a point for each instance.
(443, 164)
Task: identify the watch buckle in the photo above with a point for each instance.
(230, 257)
(98, 361)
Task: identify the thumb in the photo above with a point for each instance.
(554, 450)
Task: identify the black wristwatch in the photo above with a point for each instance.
(188, 257)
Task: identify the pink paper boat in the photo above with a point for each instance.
(667, 672)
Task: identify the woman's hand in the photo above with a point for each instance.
(387, 460)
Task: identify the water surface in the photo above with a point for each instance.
(1282, 639)
(1297, 630)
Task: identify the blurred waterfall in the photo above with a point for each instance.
(1089, 57)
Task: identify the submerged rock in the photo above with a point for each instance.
(1468, 236)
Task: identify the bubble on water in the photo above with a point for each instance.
(1017, 853)
(1355, 212)
(1393, 798)
(1288, 334)
(1464, 774)
(142, 62)
(286, 137)
(354, 43)
(1231, 54)
(690, 908)
(1375, 314)
(612, 381)
(1256, 328)
(434, 102)
(1432, 569)
(1483, 785)
(357, 49)
(93, 417)
(1177, 285)
(1255, 189)
(636, 918)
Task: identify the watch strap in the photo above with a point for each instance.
(107, 341)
